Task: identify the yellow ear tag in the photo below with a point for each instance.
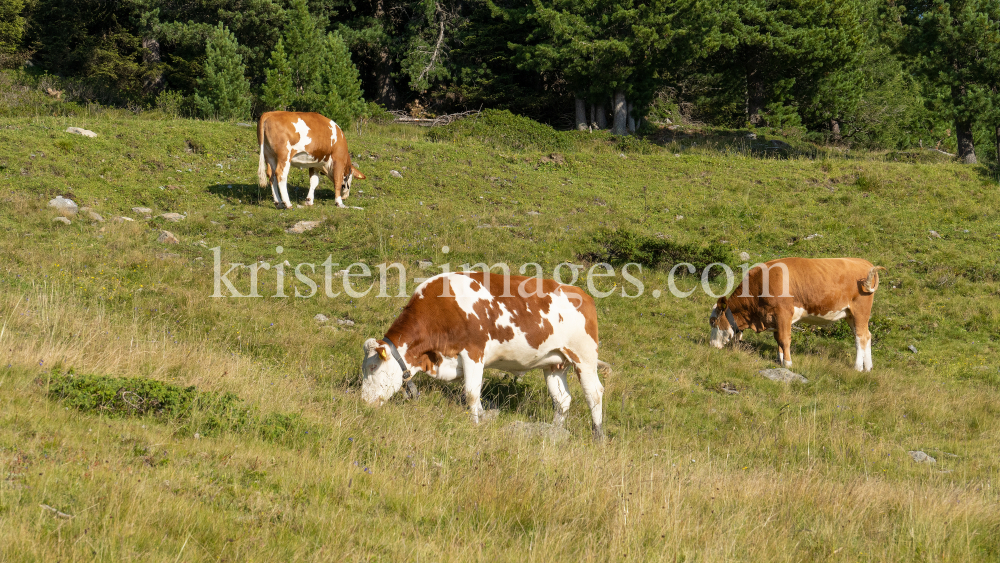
(382, 354)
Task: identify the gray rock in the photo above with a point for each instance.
(345, 322)
(424, 264)
(166, 237)
(783, 375)
(752, 136)
(172, 217)
(244, 124)
(920, 457)
(167, 255)
(303, 226)
(123, 219)
(934, 234)
(395, 174)
(63, 205)
(678, 217)
(744, 256)
(534, 213)
(61, 219)
(912, 348)
(142, 210)
(81, 131)
(321, 318)
(542, 430)
(94, 216)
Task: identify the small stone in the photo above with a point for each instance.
(142, 210)
(166, 237)
(752, 136)
(167, 255)
(534, 213)
(244, 124)
(61, 219)
(912, 348)
(424, 264)
(94, 216)
(920, 457)
(302, 226)
(345, 322)
(678, 217)
(321, 318)
(784, 375)
(934, 234)
(395, 174)
(172, 217)
(123, 219)
(64, 206)
(542, 430)
(744, 256)
(81, 131)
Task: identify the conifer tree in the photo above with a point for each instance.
(339, 82)
(11, 25)
(278, 92)
(224, 91)
(303, 45)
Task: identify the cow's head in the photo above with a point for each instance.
(381, 375)
(722, 331)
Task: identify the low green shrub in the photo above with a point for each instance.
(622, 246)
(207, 413)
(503, 129)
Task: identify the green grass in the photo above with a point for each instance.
(802, 472)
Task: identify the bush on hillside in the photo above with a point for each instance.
(503, 129)
(623, 246)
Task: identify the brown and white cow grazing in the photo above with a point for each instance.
(815, 291)
(458, 324)
(303, 140)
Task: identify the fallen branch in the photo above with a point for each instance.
(403, 117)
(57, 512)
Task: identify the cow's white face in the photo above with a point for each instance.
(381, 375)
(722, 332)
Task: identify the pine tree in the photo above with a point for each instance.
(954, 45)
(11, 25)
(224, 91)
(303, 43)
(278, 92)
(339, 82)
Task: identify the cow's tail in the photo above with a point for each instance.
(261, 165)
(604, 368)
(871, 282)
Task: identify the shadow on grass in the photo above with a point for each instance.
(502, 392)
(254, 194)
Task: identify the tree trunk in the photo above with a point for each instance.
(756, 91)
(631, 118)
(602, 116)
(966, 150)
(620, 127)
(387, 94)
(593, 117)
(998, 144)
(581, 114)
(151, 58)
(835, 130)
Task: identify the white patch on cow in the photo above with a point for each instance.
(800, 314)
(465, 296)
(333, 133)
(719, 337)
(450, 369)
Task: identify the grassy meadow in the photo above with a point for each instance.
(690, 472)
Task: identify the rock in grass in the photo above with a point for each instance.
(166, 237)
(61, 219)
(345, 322)
(783, 375)
(424, 264)
(321, 318)
(172, 217)
(123, 219)
(94, 216)
(302, 226)
(81, 131)
(543, 430)
(744, 256)
(142, 210)
(912, 348)
(395, 174)
(64, 206)
(920, 457)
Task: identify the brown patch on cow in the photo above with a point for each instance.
(570, 355)
(430, 324)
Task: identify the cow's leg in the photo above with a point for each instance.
(555, 379)
(283, 184)
(783, 336)
(473, 386)
(337, 178)
(348, 178)
(313, 182)
(273, 176)
(862, 341)
(594, 392)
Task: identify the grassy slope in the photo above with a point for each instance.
(774, 473)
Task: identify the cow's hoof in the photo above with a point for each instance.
(599, 434)
(341, 205)
(281, 205)
(308, 202)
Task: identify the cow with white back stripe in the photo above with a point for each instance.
(303, 140)
(459, 324)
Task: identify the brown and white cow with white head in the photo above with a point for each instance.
(815, 291)
(461, 323)
(303, 140)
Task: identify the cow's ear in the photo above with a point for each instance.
(382, 353)
(369, 346)
(722, 304)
